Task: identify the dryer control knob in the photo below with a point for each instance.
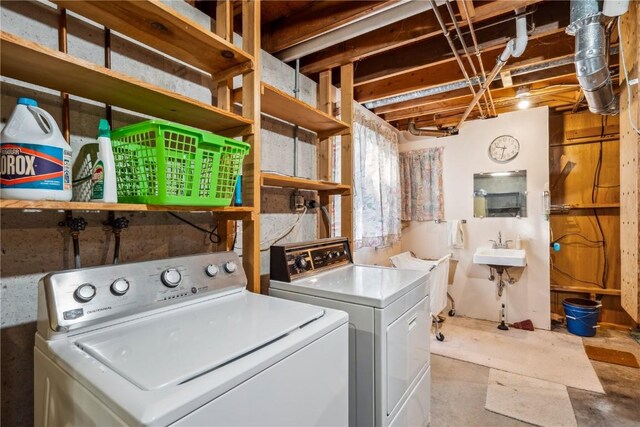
(171, 277)
(211, 270)
(230, 267)
(85, 293)
(301, 263)
(119, 287)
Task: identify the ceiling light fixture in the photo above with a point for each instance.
(522, 93)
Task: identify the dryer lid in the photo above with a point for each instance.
(174, 347)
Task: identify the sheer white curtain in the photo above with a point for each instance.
(376, 179)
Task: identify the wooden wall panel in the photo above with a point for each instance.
(573, 157)
(629, 167)
(580, 258)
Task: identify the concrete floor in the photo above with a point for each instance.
(459, 391)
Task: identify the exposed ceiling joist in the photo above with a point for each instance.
(452, 118)
(315, 19)
(556, 85)
(428, 52)
(396, 12)
(540, 48)
(410, 30)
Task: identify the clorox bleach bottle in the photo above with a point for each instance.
(35, 159)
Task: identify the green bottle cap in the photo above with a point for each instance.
(104, 129)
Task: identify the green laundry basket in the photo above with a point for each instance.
(164, 163)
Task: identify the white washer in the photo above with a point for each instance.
(389, 326)
(181, 342)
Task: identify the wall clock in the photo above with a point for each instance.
(504, 148)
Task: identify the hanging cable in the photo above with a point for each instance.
(594, 194)
(274, 240)
(213, 236)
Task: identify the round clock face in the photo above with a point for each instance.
(504, 148)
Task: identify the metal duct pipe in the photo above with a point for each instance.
(591, 60)
(514, 47)
(416, 131)
(447, 35)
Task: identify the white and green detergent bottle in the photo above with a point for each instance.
(103, 175)
(35, 159)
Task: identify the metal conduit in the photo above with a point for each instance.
(478, 54)
(515, 47)
(447, 35)
(465, 49)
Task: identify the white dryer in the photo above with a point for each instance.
(389, 326)
(181, 342)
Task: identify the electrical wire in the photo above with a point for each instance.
(564, 273)
(213, 236)
(626, 76)
(579, 235)
(274, 240)
(594, 194)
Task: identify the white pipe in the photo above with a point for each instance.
(397, 12)
(615, 8)
(515, 47)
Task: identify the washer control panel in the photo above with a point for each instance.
(292, 261)
(82, 297)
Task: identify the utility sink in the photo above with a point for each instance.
(500, 257)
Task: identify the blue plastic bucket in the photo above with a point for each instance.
(582, 316)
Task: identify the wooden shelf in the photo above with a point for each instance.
(30, 62)
(232, 212)
(280, 105)
(162, 28)
(275, 180)
(585, 290)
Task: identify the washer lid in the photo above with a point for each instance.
(177, 346)
(373, 286)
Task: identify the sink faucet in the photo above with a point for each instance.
(498, 244)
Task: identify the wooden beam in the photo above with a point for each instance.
(224, 29)
(541, 48)
(325, 153)
(412, 104)
(462, 101)
(392, 36)
(548, 18)
(629, 166)
(346, 172)
(469, 5)
(316, 19)
(251, 165)
(451, 118)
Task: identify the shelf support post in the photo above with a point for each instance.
(346, 173)
(325, 153)
(251, 166)
(224, 28)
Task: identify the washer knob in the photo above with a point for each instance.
(230, 267)
(119, 287)
(211, 270)
(85, 293)
(171, 277)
